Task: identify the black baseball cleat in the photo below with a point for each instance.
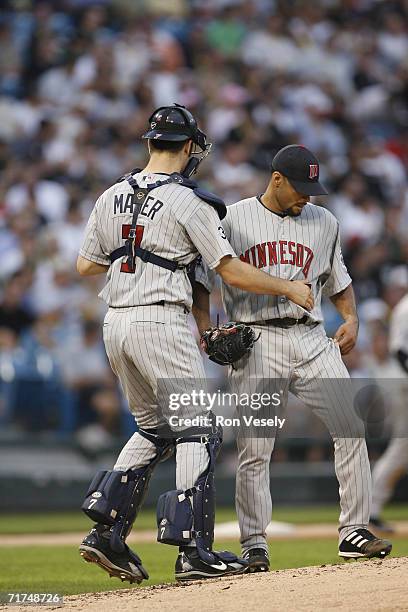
(377, 523)
(126, 565)
(189, 566)
(362, 543)
(258, 560)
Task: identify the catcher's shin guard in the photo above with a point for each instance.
(186, 515)
(183, 516)
(115, 497)
(180, 520)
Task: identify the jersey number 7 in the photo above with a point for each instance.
(125, 235)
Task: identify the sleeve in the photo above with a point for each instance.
(339, 277)
(205, 276)
(207, 234)
(91, 245)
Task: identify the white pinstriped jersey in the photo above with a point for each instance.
(293, 248)
(173, 223)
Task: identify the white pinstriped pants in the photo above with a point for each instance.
(301, 356)
(146, 344)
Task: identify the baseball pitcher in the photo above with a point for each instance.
(282, 233)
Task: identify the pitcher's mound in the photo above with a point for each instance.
(362, 585)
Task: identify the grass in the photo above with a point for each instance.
(61, 570)
(62, 522)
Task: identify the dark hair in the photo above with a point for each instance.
(167, 145)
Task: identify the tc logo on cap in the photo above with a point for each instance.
(301, 168)
(313, 170)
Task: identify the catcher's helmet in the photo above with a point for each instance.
(175, 123)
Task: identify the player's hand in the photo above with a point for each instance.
(299, 291)
(346, 336)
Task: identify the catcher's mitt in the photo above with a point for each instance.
(228, 343)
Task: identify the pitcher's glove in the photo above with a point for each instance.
(228, 343)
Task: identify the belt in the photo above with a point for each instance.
(161, 303)
(164, 303)
(284, 323)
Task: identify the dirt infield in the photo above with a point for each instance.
(371, 585)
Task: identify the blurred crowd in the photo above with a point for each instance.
(78, 81)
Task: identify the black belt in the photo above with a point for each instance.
(284, 323)
(164, 303)
(161, 303)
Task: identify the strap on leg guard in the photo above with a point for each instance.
(115, 497)
(203, 500)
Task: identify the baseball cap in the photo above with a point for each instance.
(301, 168)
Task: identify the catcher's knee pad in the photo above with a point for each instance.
(190, 514)
(111, 492)
(174, 518)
